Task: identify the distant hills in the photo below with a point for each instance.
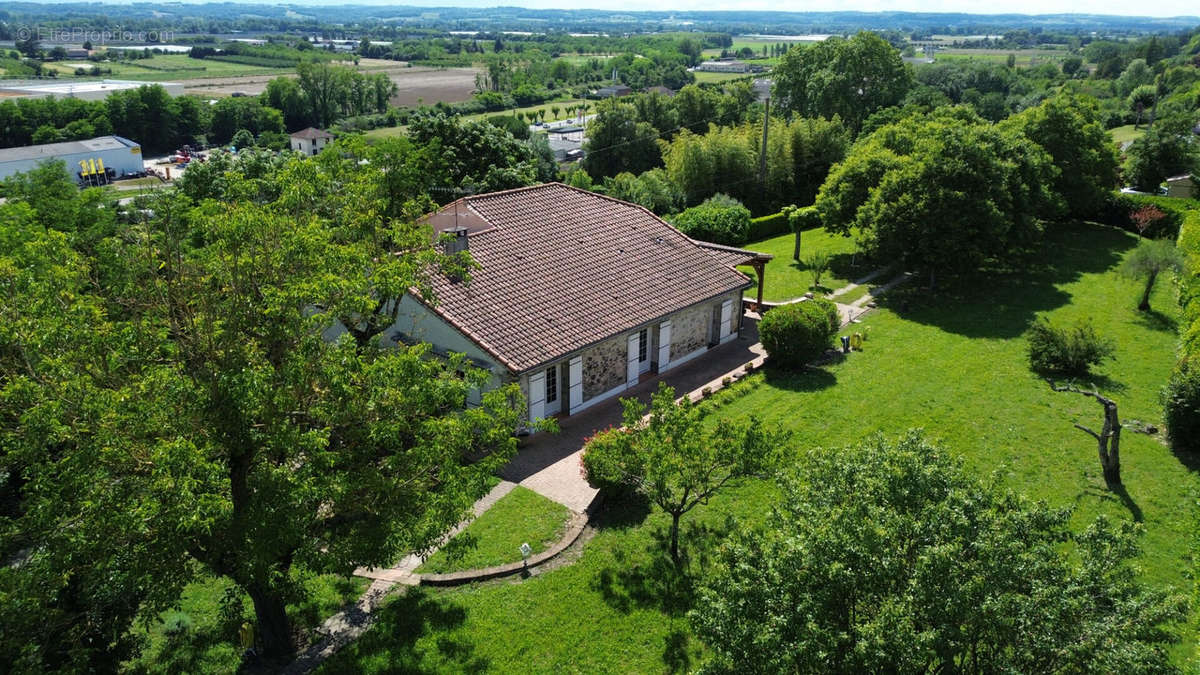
(226, 16)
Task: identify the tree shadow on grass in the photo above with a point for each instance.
(400, 625)
(621, 511)
(1156, 320)
(1113, 493)
(1000, 301)
(649, 579)
(849, 265)
(808, 379)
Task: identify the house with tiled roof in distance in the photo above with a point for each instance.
(310, 141)
(577, 296)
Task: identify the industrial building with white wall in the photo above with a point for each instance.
(83, 89)
(120, 155)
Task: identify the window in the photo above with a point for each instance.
(643, 348)
(551, 385)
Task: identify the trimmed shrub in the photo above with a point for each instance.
(795, 334)
(720, 219)
(1066, 351)
(1181, 407)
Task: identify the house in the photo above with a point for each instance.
(77, 53)
(577, 296)
(1181, 186)
(310, 141)
(613, 91)
(665, 91)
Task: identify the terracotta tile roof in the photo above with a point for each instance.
(311, 134)
(563, 268)
(731, 255)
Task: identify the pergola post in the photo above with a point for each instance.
(760, 268)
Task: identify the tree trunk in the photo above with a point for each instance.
(675, 538)
(1144, 305)
(274, 631)
(796, 251)
(1108, 441)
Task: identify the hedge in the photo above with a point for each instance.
(781, 223)
(1120, 206)
(766, 227)
(1181, 396)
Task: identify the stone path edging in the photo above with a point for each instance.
(575, 527)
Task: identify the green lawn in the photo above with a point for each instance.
(1126, 133)
(704, 76)
(521, 516)
(1025, 57)
(209, 647)
(952, 362)
(787, 279)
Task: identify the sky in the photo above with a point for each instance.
(1116, 7)
(1157, 8)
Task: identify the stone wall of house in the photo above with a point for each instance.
(689, 330)
(604, 366)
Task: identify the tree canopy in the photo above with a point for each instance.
(890, 556)
(1069, 128)
(173, 399)
(849, 78)
(945, 191)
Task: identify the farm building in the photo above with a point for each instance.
(577, 296)
(112, 155)
(87, 91)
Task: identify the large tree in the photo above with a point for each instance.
(474, 156)
(617, 141)
(176, 398)
(1070, 129)
(944, 192)
(891, 557)
(849, 78)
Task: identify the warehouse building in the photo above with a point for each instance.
(94, 160)
(85, 90)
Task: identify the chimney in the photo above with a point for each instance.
(460, 241)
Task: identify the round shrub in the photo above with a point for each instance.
(1066, 351)
(795, 334)
(1181, 407)
(720, 219)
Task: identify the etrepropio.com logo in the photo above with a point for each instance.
(96, 36)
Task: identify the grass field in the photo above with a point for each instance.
(702, 77)
(393, 132)
(1025, 57)
(207, 647)
(952, 362)
(1126, 133)
(787, 279)
(172, 67)
(495, 538)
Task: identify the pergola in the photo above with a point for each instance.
(740, 257)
